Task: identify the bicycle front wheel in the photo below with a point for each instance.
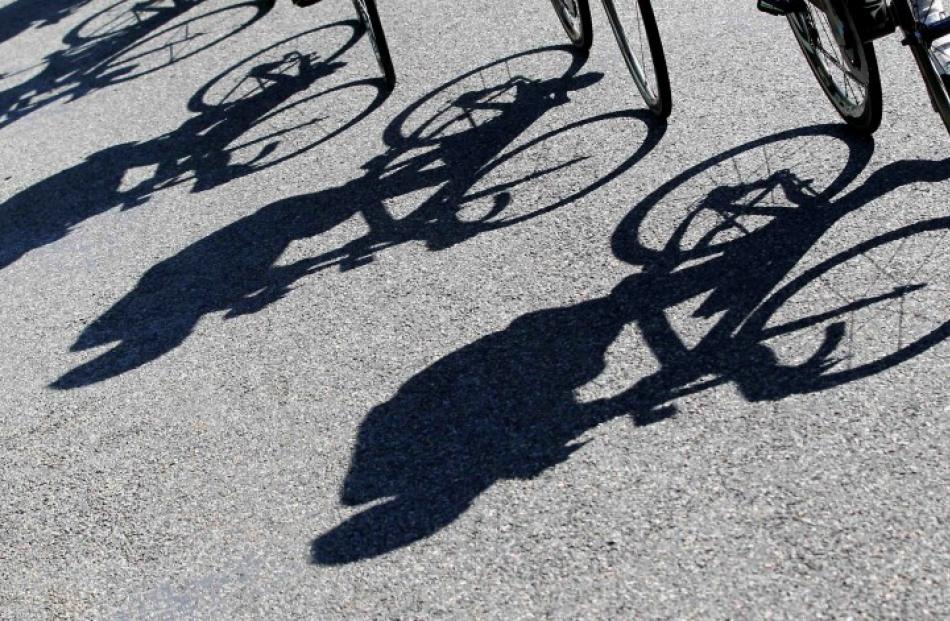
(634, 26)
(369, 18)
(575, 18)
(845, 66)
(929, 58)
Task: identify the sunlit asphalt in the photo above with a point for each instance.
(496, 345)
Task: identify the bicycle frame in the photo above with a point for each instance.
(930, 33)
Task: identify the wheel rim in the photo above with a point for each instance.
(629, 26)
(364, 18)
(570, 16)
(842, 71)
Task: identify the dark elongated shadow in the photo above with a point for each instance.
(123, 41)
(21, 15)
(234, 270)
(200, 152)
(506, 406)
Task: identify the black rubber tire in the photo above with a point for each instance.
(660, 101)
(369, 17)
(584, 36)
(867, 118)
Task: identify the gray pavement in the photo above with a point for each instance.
(277, 346)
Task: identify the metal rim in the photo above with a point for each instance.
(649, 88)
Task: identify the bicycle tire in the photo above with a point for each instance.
(937, 85)
(657, 96)
(580, 33)
(863, 117)
(369, 18)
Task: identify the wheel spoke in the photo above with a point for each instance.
(847, 89)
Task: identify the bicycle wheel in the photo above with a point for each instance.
(910, 16)
(845, 66)
(369, 18)
(575, 17)
(634, 26)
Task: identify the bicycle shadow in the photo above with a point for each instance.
(205, 150)
(235, 269)
(122, 42)
(21, 15)
(507, 406)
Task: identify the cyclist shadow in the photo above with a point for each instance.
(235, 269)
(199, 152)
(21, 15)
(93, 59)
(507, 407)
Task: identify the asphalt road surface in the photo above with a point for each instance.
(496, 346)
